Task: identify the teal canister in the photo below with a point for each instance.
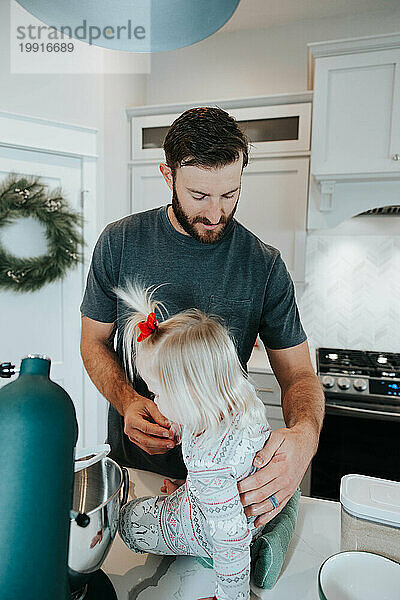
(37, 440)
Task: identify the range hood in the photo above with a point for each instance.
(332, 202)
(355, 147)
(384, 210)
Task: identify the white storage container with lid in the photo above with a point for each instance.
(370, 515)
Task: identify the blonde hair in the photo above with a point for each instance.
(194, 359)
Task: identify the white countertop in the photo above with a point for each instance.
(259, 363)
(151, 577)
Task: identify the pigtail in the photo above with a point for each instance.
(140, 303)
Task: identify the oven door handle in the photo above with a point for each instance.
(353, 409)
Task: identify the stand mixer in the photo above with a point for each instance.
(56, 528)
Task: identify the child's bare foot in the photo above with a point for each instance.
(170, 486)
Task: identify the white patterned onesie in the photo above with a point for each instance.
(204, 517)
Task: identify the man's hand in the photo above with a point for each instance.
(285, 456)
(146, 427)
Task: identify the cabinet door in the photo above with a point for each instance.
(356, 114)
(149, 189)
(270, 129)
(274, 416)
(148, 135)
(276, 421)
(267, 387)
(273, 205)
(276, 129)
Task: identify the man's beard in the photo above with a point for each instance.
(207, 237)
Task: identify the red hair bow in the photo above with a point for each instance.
(147, 327)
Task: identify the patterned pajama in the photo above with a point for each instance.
(204, 517)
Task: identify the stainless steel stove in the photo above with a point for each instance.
(361, 429)
(362, 379)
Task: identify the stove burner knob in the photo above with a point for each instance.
(360, 385)
(328, 381)
(343, 383)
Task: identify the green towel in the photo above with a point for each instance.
(268, 551)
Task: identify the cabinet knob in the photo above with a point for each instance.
(396, 156)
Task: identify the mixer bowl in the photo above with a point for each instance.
(99, 491)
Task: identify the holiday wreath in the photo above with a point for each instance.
(22, 197)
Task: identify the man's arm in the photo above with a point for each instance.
(102, 364)
(303, 400)
(144, 424)
(288, 451)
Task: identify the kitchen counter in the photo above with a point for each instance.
(259, 363)
(151, 577)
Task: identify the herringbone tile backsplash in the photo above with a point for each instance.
(352, 293)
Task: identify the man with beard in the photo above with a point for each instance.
(199, 256)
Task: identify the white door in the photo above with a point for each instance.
(46, 321)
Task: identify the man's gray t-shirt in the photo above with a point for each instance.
(241, 279)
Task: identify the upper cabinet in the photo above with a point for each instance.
(356, 120)
(276, 129)
(273, 205)
(273, 129)
(357, 113)
(147, 135)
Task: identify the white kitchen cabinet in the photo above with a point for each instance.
(269, 391)
(275, 416)
(276, 129)
(273, 205)
(149, 189)
(147, 135)
(355, 147)
(356, 106)
(280, 126)
(267, 387)
(357, 114)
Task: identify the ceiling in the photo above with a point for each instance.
(260, 14)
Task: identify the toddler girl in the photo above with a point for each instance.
(189, 362)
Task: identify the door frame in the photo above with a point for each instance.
(25, 132)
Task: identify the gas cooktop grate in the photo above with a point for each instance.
(358, 362)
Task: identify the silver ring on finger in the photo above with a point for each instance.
(274, 501)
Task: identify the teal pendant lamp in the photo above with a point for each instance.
(133, 25)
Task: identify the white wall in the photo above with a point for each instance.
(120, 91)
(351, 298)
(257, 62)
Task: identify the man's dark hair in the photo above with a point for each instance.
(204, 137)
